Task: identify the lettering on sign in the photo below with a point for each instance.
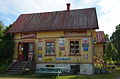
(84, 40)
(48, 59)
(85, 45)
(63, 58)
(85, 56)
(30, 35)
(85, 48)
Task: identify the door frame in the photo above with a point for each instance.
(21, 43)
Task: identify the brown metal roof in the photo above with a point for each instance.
(59, 20)
(100, 37)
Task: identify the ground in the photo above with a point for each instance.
(115, 74)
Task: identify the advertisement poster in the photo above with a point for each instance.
(85, 40)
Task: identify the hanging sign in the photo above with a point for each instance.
(30, 35)
(84, 40)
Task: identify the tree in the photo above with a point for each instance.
(115, 39)
(111, 52)
(6, 46)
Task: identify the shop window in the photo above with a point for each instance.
(50, 48)
(74, 47)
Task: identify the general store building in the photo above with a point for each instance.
(66, 39)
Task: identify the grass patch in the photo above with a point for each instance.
(115, 73)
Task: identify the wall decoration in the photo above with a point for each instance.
(85, 56)
(62, 46)
(85, 48)
(85, 45)
(39, 59)
(48, 59)
(29, 35)
(40, 44)
(62, 58)
(84, 40)
(39, 52)
(61, 41)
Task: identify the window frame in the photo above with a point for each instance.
(50, 41)
(75, 54)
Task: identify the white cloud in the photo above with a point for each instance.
(110, 18)
(108, 10)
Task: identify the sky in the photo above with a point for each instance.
(108, 11)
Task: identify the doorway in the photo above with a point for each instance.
(26, 52)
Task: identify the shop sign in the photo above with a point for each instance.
(84, 40)
(48, 59)
(85, 45)
(62, 42)
(85, 48)
(85, 56)
(30, 35)
(39, 57)
(62, 58)
(39, 52)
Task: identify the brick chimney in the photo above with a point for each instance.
(68, 6)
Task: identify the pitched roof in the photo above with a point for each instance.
(59, 20)
(100, 37)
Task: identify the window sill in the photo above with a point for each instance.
(50, 55)
(74, 55)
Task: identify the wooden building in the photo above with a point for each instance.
(66, 39)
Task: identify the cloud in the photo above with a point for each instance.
(110, 17)
(107, 10)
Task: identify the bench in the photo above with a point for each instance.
(49, 70)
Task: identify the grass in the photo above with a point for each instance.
(114, 74)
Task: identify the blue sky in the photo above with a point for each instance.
(108, 11)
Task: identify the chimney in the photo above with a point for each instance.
(68, 6)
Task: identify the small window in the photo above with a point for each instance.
(50, 48)
(50, 65)
(74, 47)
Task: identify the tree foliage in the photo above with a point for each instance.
(115, 39)
(6, 45)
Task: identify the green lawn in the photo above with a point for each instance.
(114, 74)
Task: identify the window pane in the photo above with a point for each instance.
(50, 48)
(74, 47)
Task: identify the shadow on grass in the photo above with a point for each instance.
(35, 76)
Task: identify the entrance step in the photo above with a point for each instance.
(18, 67)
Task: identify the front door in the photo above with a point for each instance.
(26, 52)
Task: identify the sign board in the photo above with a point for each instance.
(85, 48)
(48, 59)
(85, 45)
(27, 36)
(85, 56)
(62, 42)
(84, 40)
(62, 58)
